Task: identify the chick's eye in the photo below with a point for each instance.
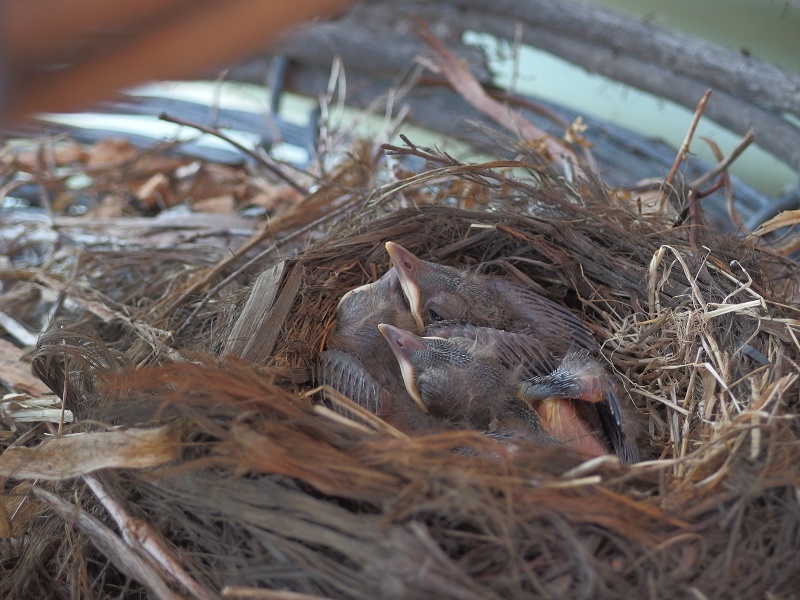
(434, 316)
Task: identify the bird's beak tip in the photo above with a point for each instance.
(405, 265)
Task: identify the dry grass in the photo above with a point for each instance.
(272, 492)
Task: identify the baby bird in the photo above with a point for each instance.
(357, 361)
(576, 400)
(462, 384)
(357, 317)
(346, 374)
(579, 398)
(523, 328)
(440, 293)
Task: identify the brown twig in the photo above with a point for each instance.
(698, 112)
(263, 160)
(725, 178)
(460, 78)
(725, 162)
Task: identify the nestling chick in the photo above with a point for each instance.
(579, 397)
(440, 293)
(572, 422)
(462, 383)
(346, 374)
(576, 402)
(357, 317)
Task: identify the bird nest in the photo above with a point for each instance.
(204, 464)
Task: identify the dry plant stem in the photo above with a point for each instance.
(695, 192)
(261, 159)
(523, 102)
(261, 255)
(16, 330)
(694, 217)
(698, 112)
(64, 396)
(471, 90)
(142, 537)
(725, 178)
(369, 417)
(452, 167)
(99, 305)
(109, 544)
(725, 162)
(341, 419)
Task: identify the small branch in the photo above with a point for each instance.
(725, 162)
(109, 544)
(259, 158)
(143, 538)
(695, 188)
(698, 112)
(461, 80)
(724, 181)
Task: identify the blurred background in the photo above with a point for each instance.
(366, 51)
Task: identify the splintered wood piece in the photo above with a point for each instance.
(256, 330)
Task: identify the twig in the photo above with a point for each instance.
(695, 188)
(462, 80)
(269, 249)
(143, 538)
(725, 162)
(107, 542)
(261, 159)
(725, 180)
(356, 409)
(698, 112)
(17, 330)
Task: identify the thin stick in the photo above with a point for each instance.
(268, 250)
(698, 112)
(725, 162)
(375, 421)
(259, 158)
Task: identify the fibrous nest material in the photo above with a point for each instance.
(204, 465)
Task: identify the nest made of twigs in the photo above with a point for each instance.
(246, 482)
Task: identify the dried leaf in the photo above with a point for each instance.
(462, 80)
(72, 456)
(223, 205)
(16, 373)
(782, 219)
(109, 153)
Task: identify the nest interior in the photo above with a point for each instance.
(236, 480)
